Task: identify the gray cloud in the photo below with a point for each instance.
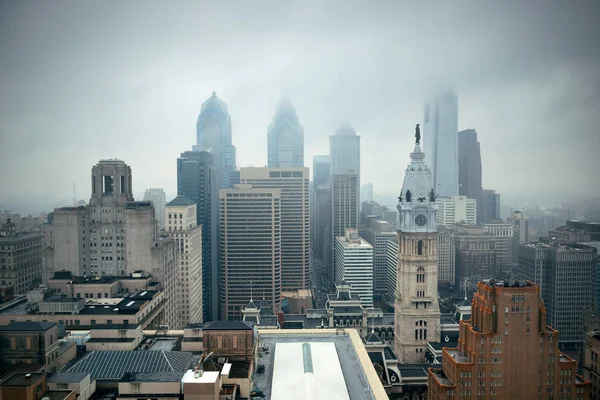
(83, 81)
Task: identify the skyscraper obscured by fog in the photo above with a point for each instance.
(285, 138)
(490, 204)
(469, 168)
(366, 193)
(440, 138)
(344, 212)
(213, 134)
(197, 180)
(344, 150)
(321, 204)
(158, 199)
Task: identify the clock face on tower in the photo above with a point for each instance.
(421, 220)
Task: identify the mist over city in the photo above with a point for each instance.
(299, 200)
(92, 80)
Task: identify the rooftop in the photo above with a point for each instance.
(313, 364)
(22, 379)
(226, 326)
(112, 365)
(57, 394)
(180, 201)
(152, 377)
(27, 326)
(439, 375)
(516, 283)
(65, 377)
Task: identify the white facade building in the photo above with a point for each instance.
(440, 138)
(354, 265)
(180, 218)
(456, 209)
(377, 234)
(158, 199)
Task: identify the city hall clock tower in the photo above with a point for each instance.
(417, 312)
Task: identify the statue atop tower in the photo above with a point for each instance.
(418, 134)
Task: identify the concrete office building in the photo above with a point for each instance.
(440, 136)
(295, 219)
(469, 168)
(490, 202)
(520, 225)
(456, 209)
(20, 259)
(446, 250)
(391, 271)
(198, 181)
(366, 192)
(417, 312)
(565, 274)
(320, 204)
(285, 137)
(503, 232)
(506, 351)
(158, 199)
(354, 265)
(180, 217)
(476, 255)
(213, 134)
(344, 150)
(344, 212)
(378, 233)
(250, 248)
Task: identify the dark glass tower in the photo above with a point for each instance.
(196, 180)
(469, 168)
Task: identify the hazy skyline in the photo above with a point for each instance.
(83, 81)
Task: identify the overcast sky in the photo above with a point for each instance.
(82, 80)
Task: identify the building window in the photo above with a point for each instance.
(420, 247)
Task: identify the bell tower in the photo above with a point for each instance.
(417, 312)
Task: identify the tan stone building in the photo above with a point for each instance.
(20, 259)
(295, 219)
(250, 247)
(506, 351)
(181, 225)
(29, 343)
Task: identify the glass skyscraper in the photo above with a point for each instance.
(285, 138)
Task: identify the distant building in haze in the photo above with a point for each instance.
(158, 199)
(250, 250)
(344, 212)
(456, 209)
(213, 134)
(504, 348)
(285, 138)
(378, 233)
(198, 181)
(490, 202)
(469, 168)
(320, 204)
(366, 192)
(520, 225)
(20, 259)
(295, 222)
(440, 138)
(344, 150)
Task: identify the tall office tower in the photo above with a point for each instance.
(506, 351)
(158, 199)
(503, 232)
(589, 227)
(566, 275)
(440, 135)
(354, 265)
(456, 209)
(197, 180)
(490, 204)
(446, 250)
(213, 134)
(344, 150)
(285, 137)
(250, 250)
(320, 207)
(20, 259)
(520, 225)
(378, 233)
(182, 225)
(469, 168)
(476, 255)
(366, 192)
(295, 222)
(344, 212)
(417, 312)
(392, 271)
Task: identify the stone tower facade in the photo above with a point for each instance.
(417, 312)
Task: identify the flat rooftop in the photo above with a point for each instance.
(22, 379)
(331, 355)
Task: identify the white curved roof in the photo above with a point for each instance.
(292, 376)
